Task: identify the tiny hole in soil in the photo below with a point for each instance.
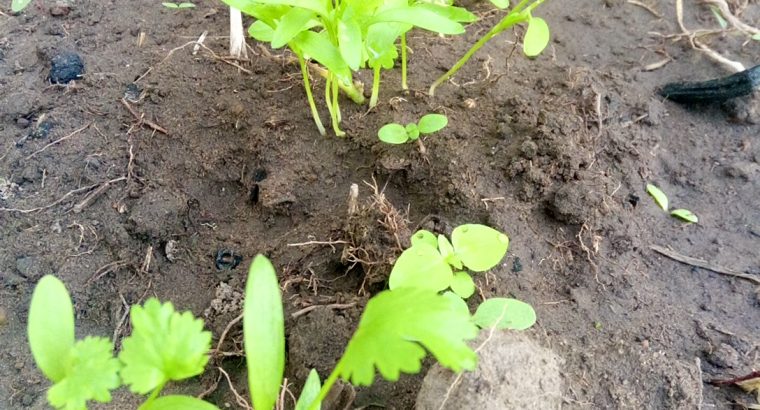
(254, 194)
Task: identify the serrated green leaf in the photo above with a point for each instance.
(685, 215)
(502, 4)
(420, 266)
(178, 402)
(393, 134)
(431, 123)
(503, 313)
(51, 327)
(18, 5)
(261, 31)
(421, 17)
(462, 284)
(412, 131)
(91, 374)
(263, 333)
(394, 328)
(350, 42)
(536, 37)
(381, 44)
(478, 246)
(659, 197)
(310, 392)
(423, 236)
(292, 23)
(164, 345)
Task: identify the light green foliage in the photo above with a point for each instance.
(398, 134)
(51, 327)
(178, 402)
(430, 261)
(503, 313)
(179, 5)
(164, 345)
(264, 334)
(91, 374)
(685, 215)
(394, 328)
(310, 392)
(659, 196)
(536, 36)
(19, 5)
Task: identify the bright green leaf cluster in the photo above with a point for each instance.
(662, 201)
(398, 134)
(430, 261)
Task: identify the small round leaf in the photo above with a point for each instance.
(393, 134)
(503, 313)
(431, 123)
(463, 285)
(421, 266)
(478, 246)
(423, 236)
(536, 37)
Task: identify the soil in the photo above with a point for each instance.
(556, 152)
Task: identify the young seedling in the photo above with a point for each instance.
(164, 345)
(662, 201)
(535, 40)
(398, 134)
(179, 6)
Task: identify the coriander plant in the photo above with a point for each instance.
(662, 201)
(164, 346)
(535, 40)
(398, 134)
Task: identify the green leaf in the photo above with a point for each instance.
(659, 197)
(458, 14)
(186, 5)
(393, 134)
(350, 42)
(381, 44)
(18, 5)
(263, 333)
(170, 5)
(421, 266)
(310, 392)
(431, 123)
(423, 236)
(319, 47)
(447, 252)
(721, 21)
(91, 373)
(480, 247)
(178, 402)
(164, 345)
(463, 285)
(536, 37)
(756, 37)
(412, 131)
(685, 214)
(317, 6)
(51, 327)
(261, 31)
(504, 313)
(502, 4)
(292, 23)
(421, 17)
(394, 328)
(457, 301)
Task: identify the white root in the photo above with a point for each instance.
(237, 36)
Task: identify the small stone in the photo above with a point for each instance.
(66, 67)
(59, 10)
(742, 170)
(529, 149)
(32, 267)
(171, 249)
(469, 103)
(724, 357)
(22, 122)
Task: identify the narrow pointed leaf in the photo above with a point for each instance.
(659, 197)
(51, 327)
(350, 42)
(310, 392)
(685, 215)
(263, 334)
(420, 17)
(478, 246)
(536, 37)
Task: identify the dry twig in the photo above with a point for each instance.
(703, 264)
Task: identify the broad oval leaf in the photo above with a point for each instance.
(421, 266)
(396, 328)
(91, 373)
(261, 31)
(458, 14)
(478, 246)
(18, 5)
(423, 236)
(536, 37)
(659, 197)
(178, 402)
(263, 333)
(292, 23)
(502, 4)
(463, 285)
(431, 123)
(350, 42)
(420, 17)
(51, 327)
(504, 313)
(685, 215)
(310, 392)
(393, 134)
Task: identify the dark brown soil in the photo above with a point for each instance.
(556, 152)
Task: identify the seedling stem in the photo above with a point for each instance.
(307, 86)
(375, 86)
(404, 85)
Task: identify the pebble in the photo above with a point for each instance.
(59, 10)
(66, 67)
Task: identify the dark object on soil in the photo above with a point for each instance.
(517, 265)
(132, 93)
(227, 259)
(40, 131)
(65, 67)
(717, 90)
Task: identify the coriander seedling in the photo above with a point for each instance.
(179, 6)
(662, 201)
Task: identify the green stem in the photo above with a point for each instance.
(516, 16)
(404, 85)
(375, 86)
(328, 94)
(155, 393)
(336, 109)
(309, 96)
(326, 386)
